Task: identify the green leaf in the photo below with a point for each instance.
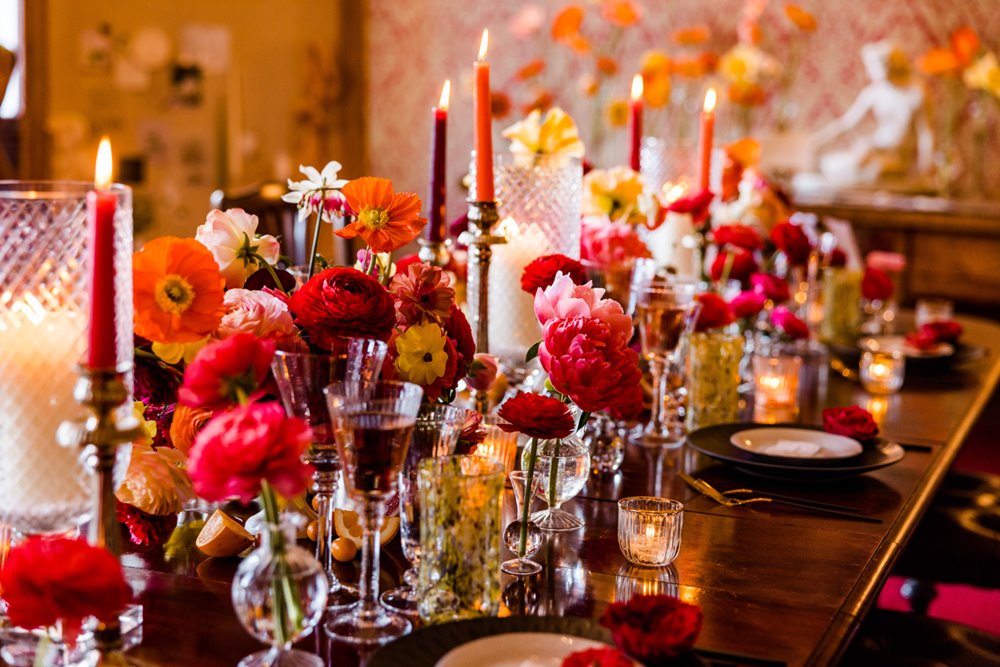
(532, 352)
(584, 418)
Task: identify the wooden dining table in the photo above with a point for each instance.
(776, 584)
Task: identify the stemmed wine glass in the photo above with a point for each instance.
(435, 434)
(301, 379)
(372, 427)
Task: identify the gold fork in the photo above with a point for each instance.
(703, 487)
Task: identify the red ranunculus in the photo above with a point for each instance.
(226, 372)
(537, 416)
(789, 324)
(653, 628)
(792, 240)
(588, 362)
(243, 447)
(540, 272)
(598, 657)
(47, 579)
(343, 303)
(714, 312)
(852, 421)
(742, 265)
(739, 236)
(876, 285)
(771, 286)
(747, 304)
(695, 204)
(457, 328)
(944, 331)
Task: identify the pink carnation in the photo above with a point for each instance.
(607, 243)
(256, 312)
(243, 447)
(564, 299)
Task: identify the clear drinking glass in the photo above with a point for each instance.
(560, 481)
(933, 310)
(435, 434)
(649, 530)
(301, 379)
(522, 566)
(372, 427)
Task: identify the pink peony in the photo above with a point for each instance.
(422, 291)
(256, 312)
(607, 243)
(227, 372)
(564, 299)
(243, 447)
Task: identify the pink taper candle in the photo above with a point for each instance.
(635, 108)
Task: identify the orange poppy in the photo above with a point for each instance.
(542, 101)
(607, 66)
(579, 43)
(567, 22)
(692, 36)
(656, 91)
(177, 291)
(500, 104)
(622, 13)
(965, 44)
(654, 64)
(531, 70)
(386, 220)
(802, 19)
(939, 61)
(747, 94)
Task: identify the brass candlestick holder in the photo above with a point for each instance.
(479, 238)
(435, 253)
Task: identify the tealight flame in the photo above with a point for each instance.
(671, 192)
(445, 95)
(483, 44)
(710, 99)
(636, 87)
(102, 170)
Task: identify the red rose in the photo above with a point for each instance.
(653, 628)
(243, 447)
(788, 324)
(49, 579)
(588, 362)
(696, 204)
(598, 657)
(739, 236)
(227, 372)
(876, 285)
(741, 265)
(714, 312)
(540, 273)
(924, 339)
(536, 416)
(945, 331)
(836, 258)
(852, 421)
(343, 303)
(747, 304)
(771, 286)
(792, 240)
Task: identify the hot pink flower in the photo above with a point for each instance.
(256, 312)
(227, 372)
(607, 243)
(771, 286)
(243, 447)
(422, 291)
(564, 299)
(789, 324)
(482, 372)
(747, 304)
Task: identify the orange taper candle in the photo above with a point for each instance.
(707, 129)
(484, 125)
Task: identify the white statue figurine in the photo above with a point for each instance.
(901, 144)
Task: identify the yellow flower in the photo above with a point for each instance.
(421, 358)
(618, 113)
(984, 74)
(615, 193)
(147, 427)
(556, 134)
(172, 353)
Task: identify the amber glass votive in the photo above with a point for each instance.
(776, 380)
(649, 530)
(882, 372)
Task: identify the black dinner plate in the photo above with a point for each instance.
(713, 441)
(962, 355)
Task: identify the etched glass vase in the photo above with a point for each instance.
(713, 378)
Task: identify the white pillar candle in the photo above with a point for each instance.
(513, 326)
(670, 246)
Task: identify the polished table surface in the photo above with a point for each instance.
(776, 584)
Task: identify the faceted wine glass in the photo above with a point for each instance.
(372, 427)
(435, 434)
(301, 380)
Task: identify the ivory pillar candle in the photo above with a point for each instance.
(513, 325)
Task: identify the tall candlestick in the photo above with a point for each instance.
(705, 141)
(436, 227)
(484, 125)
(101, 348)
(635, 108)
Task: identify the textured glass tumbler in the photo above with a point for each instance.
(713, 378)
(663, 161)
(649, 530)
(44, 274)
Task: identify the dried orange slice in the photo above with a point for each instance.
(223, 536)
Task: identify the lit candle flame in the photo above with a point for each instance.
(445, 95)
(671, 192)
(483, 44)
(507, 228)
(710, 100)
(102, 170)
(636, 87)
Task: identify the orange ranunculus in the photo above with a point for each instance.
(691, 36)
(622, 13)
(530, 70)
(802, 19)
(607, 66)
(542, 101)
(567, 22)
(186, 423)
(965, 45)
(177, 291)
(386, 220)
(939, 61)
(618, 113)
(747, 94)
(500, 104)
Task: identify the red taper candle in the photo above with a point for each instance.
(484, 125)
(101, 347)
(437, 230)
(705, 138)
(635, 108)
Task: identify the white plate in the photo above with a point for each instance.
(517, 649)
(795, 443)
(899, 344)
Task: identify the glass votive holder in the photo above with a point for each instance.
(498, 444)
(933, 310)
(649, 530)
(882, 372)
(776, 380)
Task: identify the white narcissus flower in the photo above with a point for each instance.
(319, 186)
(232, 238)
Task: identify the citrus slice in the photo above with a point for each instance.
(348, 525)
(223, 536)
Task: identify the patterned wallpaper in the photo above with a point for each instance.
(415, 45)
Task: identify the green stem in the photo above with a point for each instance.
(319, 226)
(522, 545)
(279, 585)
(554, 474)
(270, 269)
